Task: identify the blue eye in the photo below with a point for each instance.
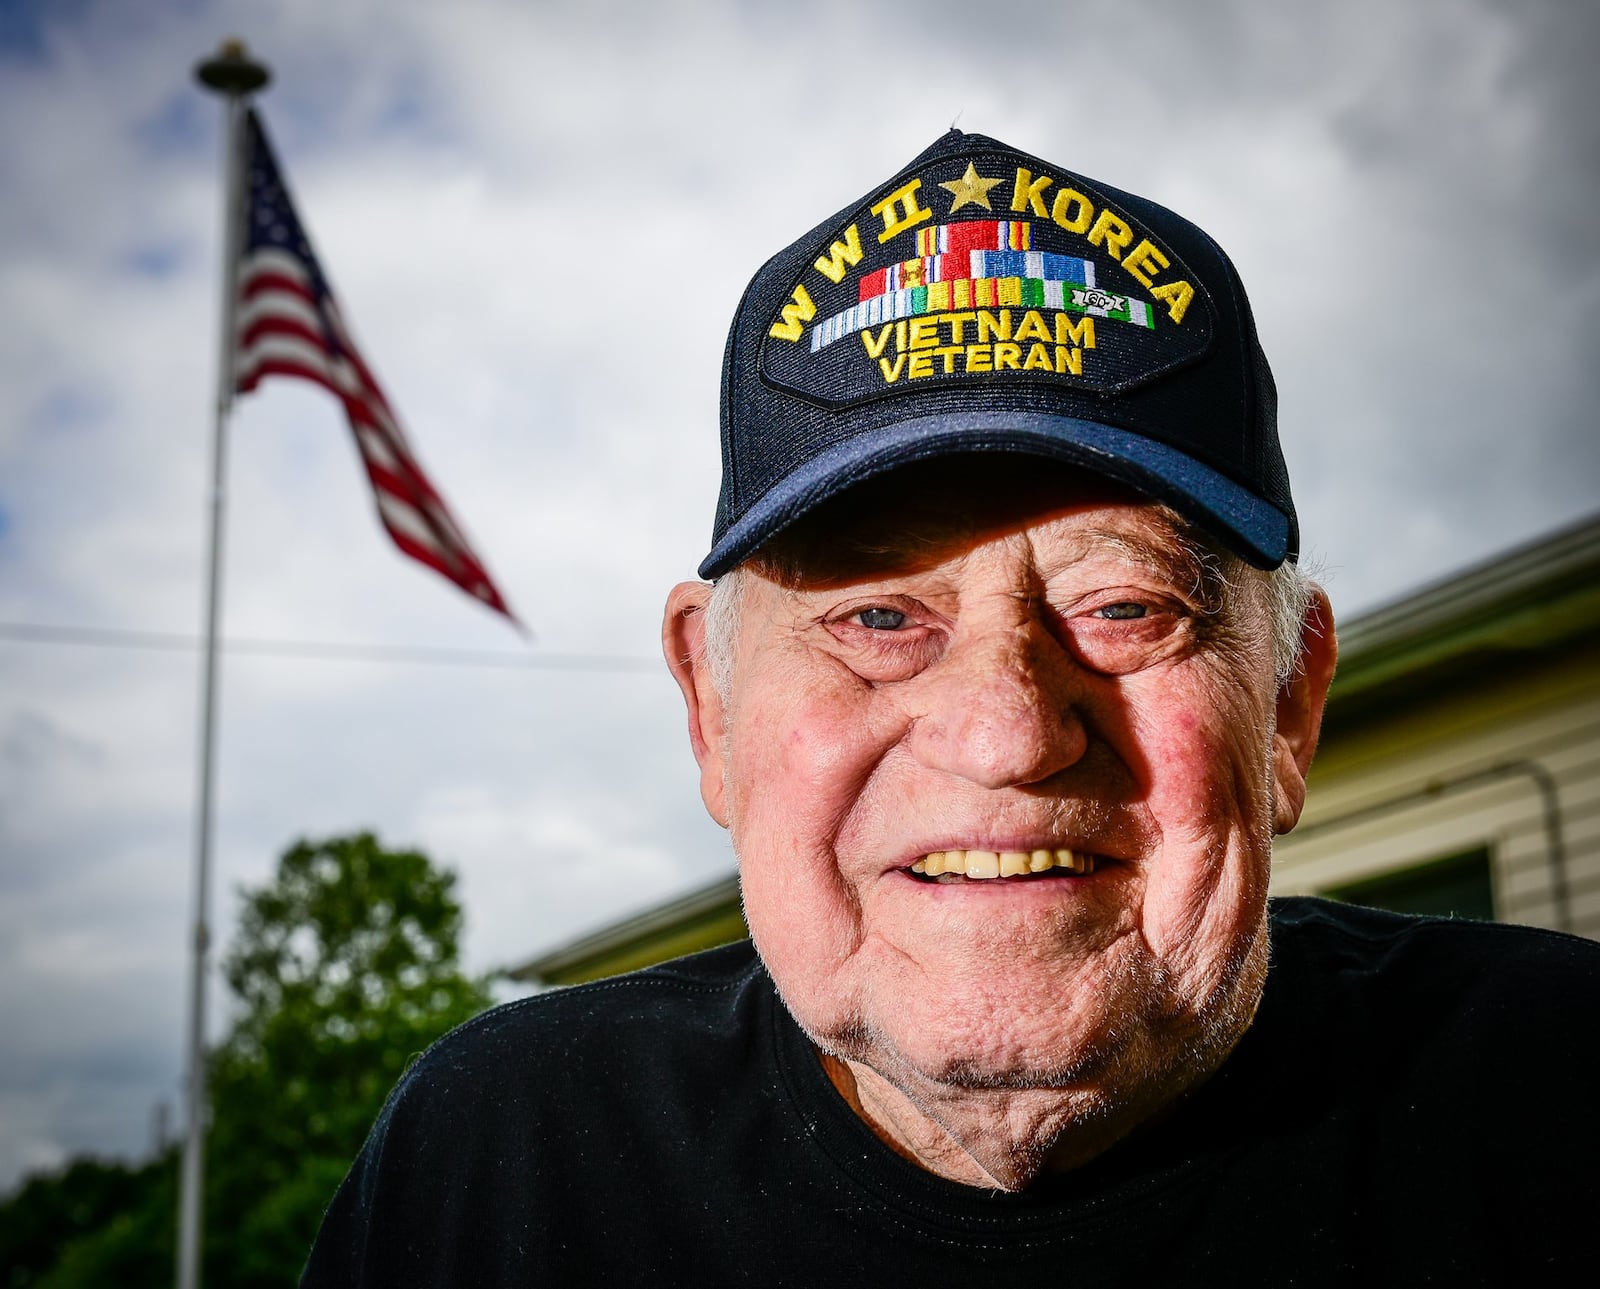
(881, 619)
(1120, 612)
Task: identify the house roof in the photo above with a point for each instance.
(703, 918)
(1534, 599)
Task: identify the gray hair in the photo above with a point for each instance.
(1288, 590)
(722, 628)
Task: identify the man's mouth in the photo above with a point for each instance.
(984, 864)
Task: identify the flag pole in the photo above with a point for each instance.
(232, 73)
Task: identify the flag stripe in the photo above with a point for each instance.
(280, 334)
(281, 366)
(275, 287)
(397, 514)
(271, 260)
(375, 447)
(279, 305)
(300, 352)
(289, 324)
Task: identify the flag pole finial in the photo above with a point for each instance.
(232, 71)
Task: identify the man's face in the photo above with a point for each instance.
(1053, 676)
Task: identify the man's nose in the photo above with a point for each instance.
(998, 709)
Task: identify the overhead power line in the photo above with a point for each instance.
(422, 655)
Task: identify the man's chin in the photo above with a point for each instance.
(1121, 1035)
(976, 1048)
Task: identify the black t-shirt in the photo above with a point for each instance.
(1414, 1104)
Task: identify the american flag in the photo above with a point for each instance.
(289, 325)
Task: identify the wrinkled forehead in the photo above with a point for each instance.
(930, 512)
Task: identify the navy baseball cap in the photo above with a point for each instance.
(983, 300)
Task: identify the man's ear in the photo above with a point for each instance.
(683, 638)
(1300, 702)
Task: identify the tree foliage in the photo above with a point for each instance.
(345, 966)
(97, 1209)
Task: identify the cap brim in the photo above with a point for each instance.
(1254, 529)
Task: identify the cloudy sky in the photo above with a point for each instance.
(539, 218)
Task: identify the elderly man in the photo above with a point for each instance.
(1007, 678)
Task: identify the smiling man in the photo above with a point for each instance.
(1004, 678)
(1002, 749)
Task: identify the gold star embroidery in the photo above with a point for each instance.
(970, 190)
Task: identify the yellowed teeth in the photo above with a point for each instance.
(1003, 863)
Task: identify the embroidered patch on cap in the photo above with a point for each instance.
(980, 268)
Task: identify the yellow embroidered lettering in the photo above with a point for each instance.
(900, 335)
(1068, 360)
(875, 347)
(840, 256)
(1072, 210)
(1008, 357)
(990, 325)
(948, 353)
(1144, 261)
(891, 371)
(1075, 331)
(957, 324)
(1028, 192)
(924, 333)
(921, 365)
(1113, 232)
(798, 311)
(1176, 295)
(979, 358)
(1038, 359)
(909, 214)
(1032, 327)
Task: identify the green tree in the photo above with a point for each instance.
(346, 965)
(75, 1208)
